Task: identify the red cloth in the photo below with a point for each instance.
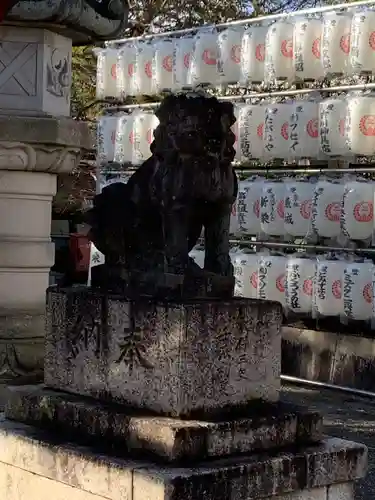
(5, 6)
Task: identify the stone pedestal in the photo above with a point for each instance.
(178, 359)
(38, 141)
(144, 424)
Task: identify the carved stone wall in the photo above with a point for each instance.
(35, 71)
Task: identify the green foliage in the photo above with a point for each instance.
(83, 82)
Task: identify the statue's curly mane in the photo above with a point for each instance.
(152, 222)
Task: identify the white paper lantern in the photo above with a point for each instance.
(335, 46)
(249, 206)
(276, 130)
(279, 63)
(272, 208)
(234, 226)
(126, 61)
(236, 130)
(245, 274)
(332, 127)
(124, 145)
(304, 130)
(106, 138)
(326, 208)
(106, 73)
(163, 65)
(203, 68)
(357, 216)
(307, 49)
(361, 125)
(198, 256)
(358, 291)
(144, 126)
(362, 42)
(253, 55)
(229, 63)
(144, 79)
(183, 52)
(297, 208)
(300, 275)
(271, 278)
(251, 125)
(328, 300)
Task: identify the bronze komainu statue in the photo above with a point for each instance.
(147, 227)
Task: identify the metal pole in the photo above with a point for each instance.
(260, 95)
(278, 244)
(251, 20)
(324, 385)
(305, 171)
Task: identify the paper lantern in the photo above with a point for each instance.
(124, 143)
(360, 127)
(332, 127)
(276, 137)
(126, 70)
(106, 138)
(106, 73)
(144, 79)
(358, 291)
(307, 49)
(328, 297)
(229, 62)
(271, 278)
(183, 52)
(143, 135)
(362, 42)
(253, 55)
(326, 208)
(335, 47)
(163, 65)
(251, 126)
(304, 130)
(203, 69)
(272, 208)
(245, 274)
(279, 62)
(297, 207)
(357, 215)
(300, 275)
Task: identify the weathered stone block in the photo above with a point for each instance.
(267, 426)
(179, 359)
(256, 476)
(35, 71)
(344, 491)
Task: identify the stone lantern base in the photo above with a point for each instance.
(33, 151)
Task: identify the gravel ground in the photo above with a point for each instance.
(345, 416)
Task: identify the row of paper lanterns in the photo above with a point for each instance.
(295, 48)
(337, 127)
(328, 208)
(315, 285)
(316, 129)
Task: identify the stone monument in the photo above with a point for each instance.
(38, 141)
(167, 388)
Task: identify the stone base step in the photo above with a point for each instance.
(261, 427)
(38, 465)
